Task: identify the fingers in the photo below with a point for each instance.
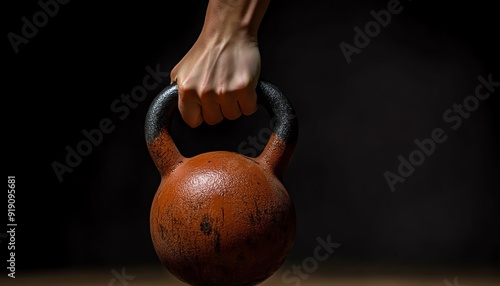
(248, 103)
(198, 106)
(211, 107)
(188, 104)
(239, 102)
(190, 108)
(229, 107)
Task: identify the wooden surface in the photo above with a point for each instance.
(353, 277)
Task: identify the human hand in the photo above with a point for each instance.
(217, 78)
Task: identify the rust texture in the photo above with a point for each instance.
(222, 219)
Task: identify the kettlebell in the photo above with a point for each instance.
(222, 218)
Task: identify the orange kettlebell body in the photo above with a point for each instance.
(221, 218)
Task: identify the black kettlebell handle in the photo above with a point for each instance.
(275, 155)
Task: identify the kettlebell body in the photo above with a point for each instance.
(222, 218)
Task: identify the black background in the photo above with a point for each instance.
(355, 120)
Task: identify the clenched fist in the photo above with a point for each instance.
(218, 76)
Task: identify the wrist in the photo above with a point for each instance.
(234, 18)
(211, 35)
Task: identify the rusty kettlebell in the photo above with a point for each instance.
(222, 218)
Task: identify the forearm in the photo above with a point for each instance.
(232, 17)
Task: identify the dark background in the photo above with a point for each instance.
(355, 119)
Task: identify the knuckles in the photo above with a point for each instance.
(225, 94)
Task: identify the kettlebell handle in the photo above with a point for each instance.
(275, 155)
